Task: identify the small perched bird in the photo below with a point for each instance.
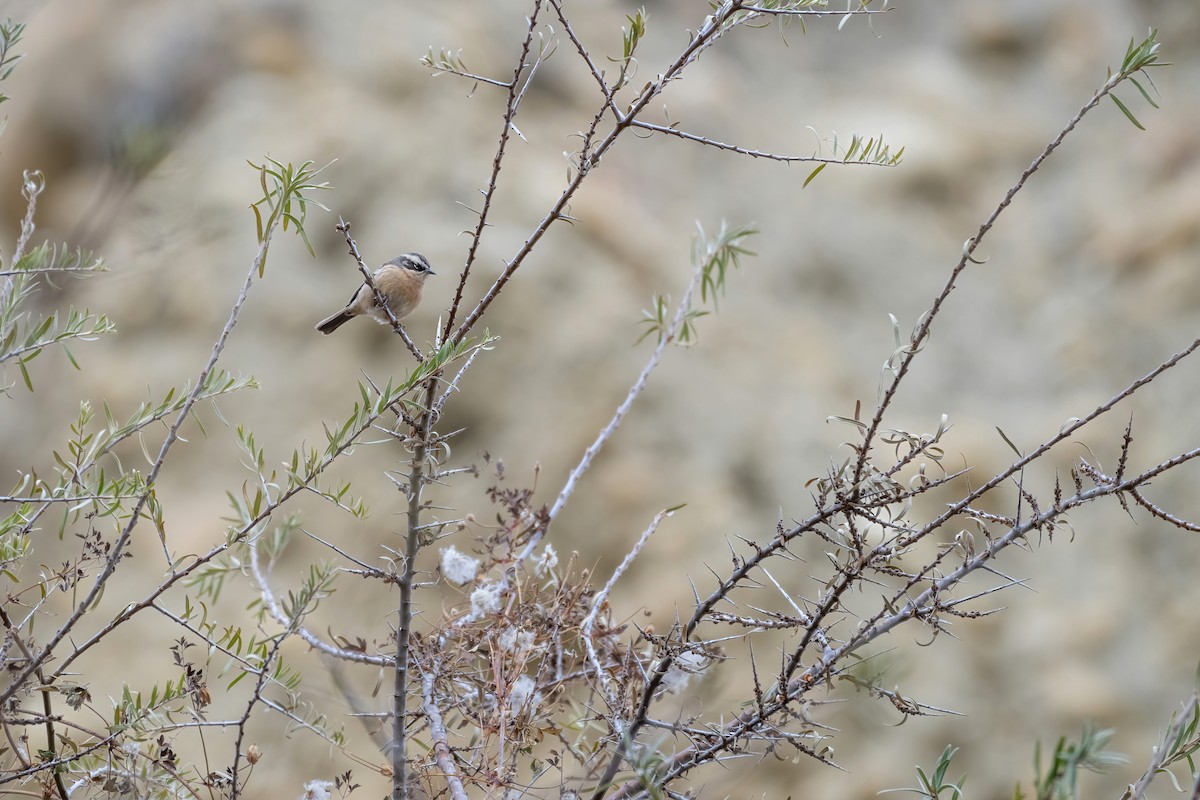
(399, 280)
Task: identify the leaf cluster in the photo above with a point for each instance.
(712, 256)
(286, 197)
(1139, 57)
(22, 338)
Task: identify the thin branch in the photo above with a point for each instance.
(53, 338)
(271, 604)
(1163, 514)
(47, 708)
(81, 498)
(437, 729)
(601, 599)
(489, 193)
(668, 337)
(46, 270)
(542, 55)
(452, 386)
(597, 73)
(256, 696)
(745, 151)
(449, 70)
(813, 12)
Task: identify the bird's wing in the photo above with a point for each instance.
(354, 296)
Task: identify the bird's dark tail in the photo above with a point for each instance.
(328, 326)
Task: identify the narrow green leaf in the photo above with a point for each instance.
(258, 223)
(812, 175)
(1126, 112)
(71, 357)
(1145, 94)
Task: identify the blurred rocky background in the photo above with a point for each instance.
(143, 114)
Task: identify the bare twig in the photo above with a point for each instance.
(668, 337)
(437, 729)
(746, 151)
(510, 112)
(1163, 514)
(45, 270)
(599, 603)
(452, 386)
(813, 12)
(597, 73)
(47, 709)
(256, 696)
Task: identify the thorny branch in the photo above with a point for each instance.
(510, 112)
(921, 333)
(847, 507)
